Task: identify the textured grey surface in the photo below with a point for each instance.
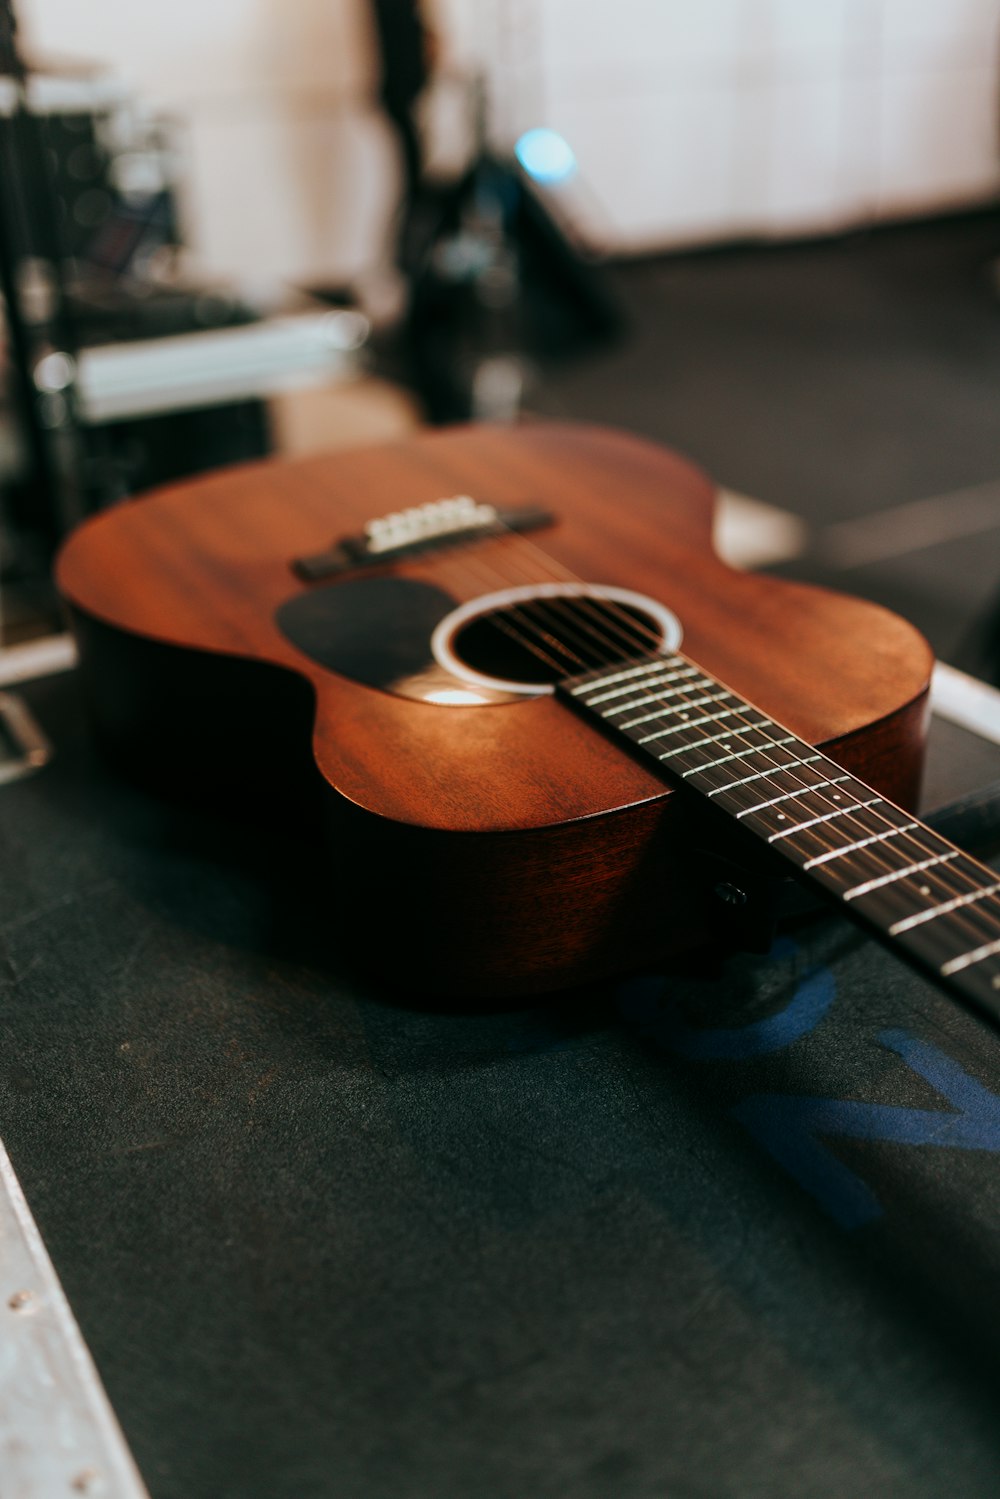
(325, 1242)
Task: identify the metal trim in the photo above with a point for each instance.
(58, 1433)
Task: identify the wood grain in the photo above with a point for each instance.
(550, 855)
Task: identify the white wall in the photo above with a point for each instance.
(698, 119)
(692, 120)
(288, 167)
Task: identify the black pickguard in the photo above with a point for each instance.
(372, 630)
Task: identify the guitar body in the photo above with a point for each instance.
(493, 847)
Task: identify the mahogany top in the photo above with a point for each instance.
(206, 564)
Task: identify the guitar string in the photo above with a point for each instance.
(974, 924)
(682, 697)
(632, 632)
(968, 929)
(976, 921)
(532, 646)
(876, 855)
(963, 881)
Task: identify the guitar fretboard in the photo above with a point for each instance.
(939, 905)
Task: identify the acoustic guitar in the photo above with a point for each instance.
(547, 735)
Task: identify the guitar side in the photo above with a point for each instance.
(515, 848)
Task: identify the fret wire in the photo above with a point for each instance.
(782, 835)
(850, 848)
(801, 827)
(804, 839)
(966, 959)
(918, 919)
(760, 774)
(786, 795)
(739, 755)
(639, 676)
(769, 744)
(948, 876)
(693, 702)
(656, 697)
(870, 846)
(874, 845)
(694, 723)
(632, 671)
(898, 874)
(673, 676)
(636, 723)
(712, 739)
(916, 894)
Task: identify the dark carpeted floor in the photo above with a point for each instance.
(833, 379)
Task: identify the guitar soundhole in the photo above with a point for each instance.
(524, 640)
(540, 641)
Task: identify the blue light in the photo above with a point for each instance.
(545, 155)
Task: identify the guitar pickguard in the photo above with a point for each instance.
(411, 638)
(371, 630)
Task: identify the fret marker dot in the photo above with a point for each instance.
(925, 890)
(995, 981)
(781, 817)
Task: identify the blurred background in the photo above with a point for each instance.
(765, 232)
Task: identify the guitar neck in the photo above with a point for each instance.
(938, 906)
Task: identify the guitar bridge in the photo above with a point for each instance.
(406, 533)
